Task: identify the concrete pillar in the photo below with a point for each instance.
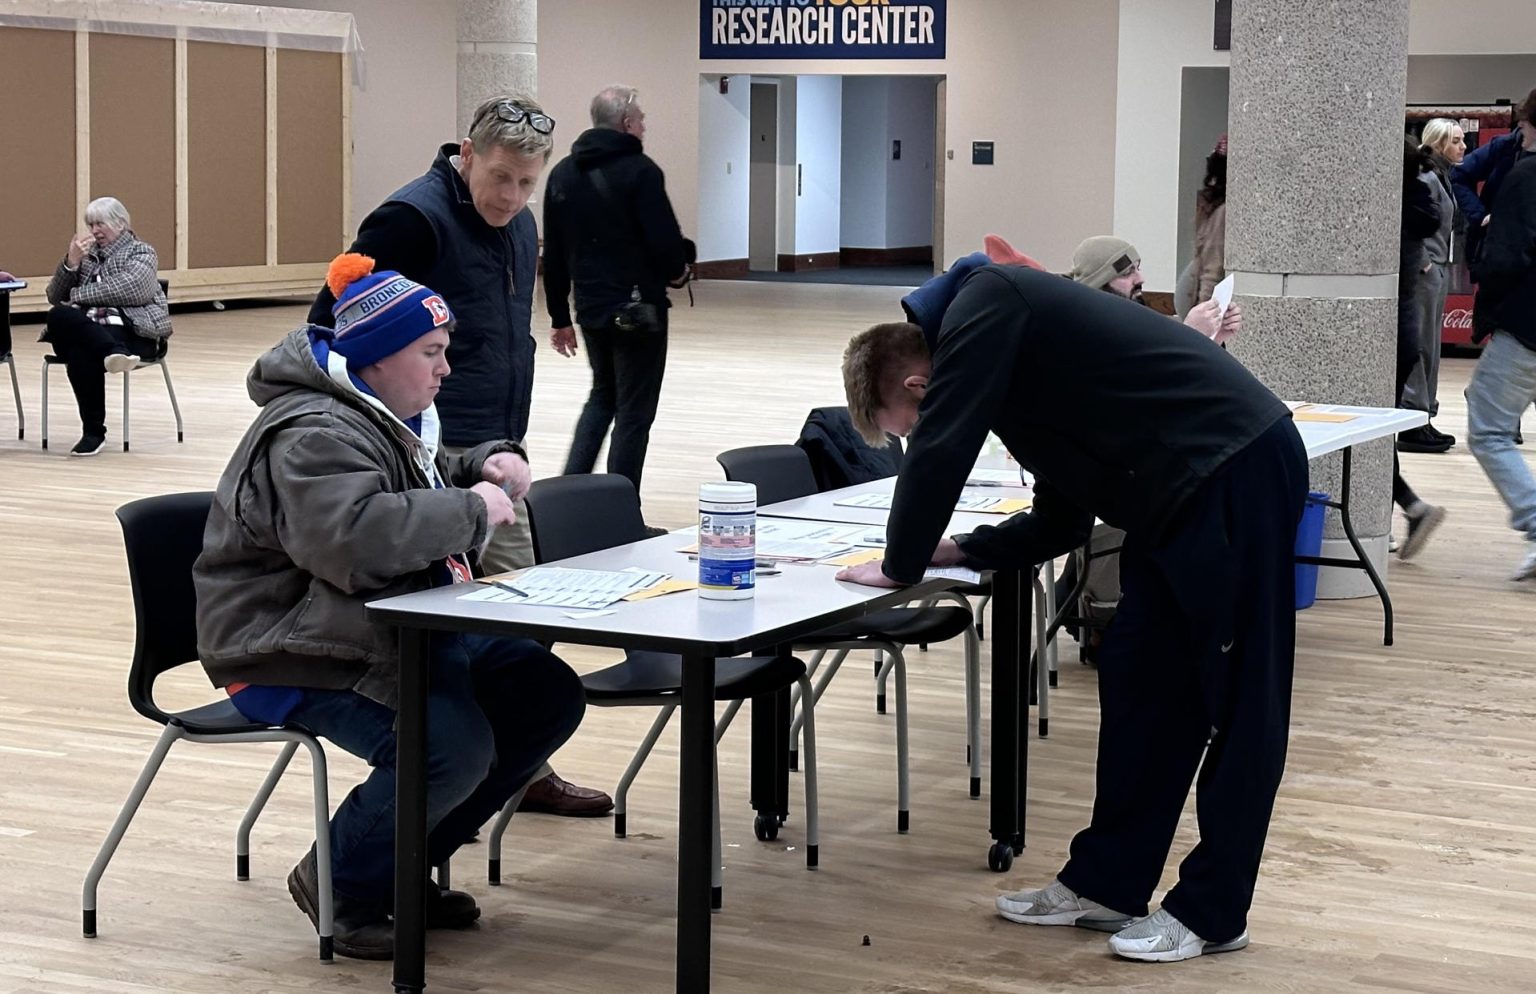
(1314, 183)
(498, 52)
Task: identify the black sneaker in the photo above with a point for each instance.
(1444, 436)
(89, 445)
(1420, 527)
(1421, 439)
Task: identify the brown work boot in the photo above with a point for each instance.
(358, 930)
(555, 796)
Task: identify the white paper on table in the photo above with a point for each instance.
(1222, 294)
(792, 538)
(960, 573)
(882, 502)
(994, 477)
(558, 586)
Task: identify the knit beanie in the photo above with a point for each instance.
(1101, 258)
(378, 314)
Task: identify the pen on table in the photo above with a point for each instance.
(504, 585)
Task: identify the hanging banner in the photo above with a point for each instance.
(821, 29)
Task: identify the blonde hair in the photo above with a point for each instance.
(1438, 132)
(107, 210)
(873, 357)
(487, 129)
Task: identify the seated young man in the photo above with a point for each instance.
(336, 496)
(1118, 412)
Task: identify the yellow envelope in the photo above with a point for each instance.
(856, 558)
(1322, 417)
(509, 575)
(1008, 505)
(663, 588)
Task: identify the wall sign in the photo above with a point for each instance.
(981, 153)
(821, 29)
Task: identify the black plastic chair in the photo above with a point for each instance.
(574, 515)
(158, 359)
(784, 471)
(164, 536)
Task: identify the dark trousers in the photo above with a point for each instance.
(1408, 337)
(627, 368)
(83, 343)
(497, 709)
(1195, 676)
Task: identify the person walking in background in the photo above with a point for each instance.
(610, 234)
(1443, 146)
(1211, 224)
(1421, 220)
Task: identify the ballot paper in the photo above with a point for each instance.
(559, 586)
(1222, 293)
(975, 503)
(994, 478)
(795, 539)
(1323, 415)
(960, 573)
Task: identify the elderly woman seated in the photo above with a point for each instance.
(109, 312)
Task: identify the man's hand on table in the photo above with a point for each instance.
(872, 574)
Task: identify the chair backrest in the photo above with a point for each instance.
(839, 456)
(163, 537)
(573, 515)
(780, 472)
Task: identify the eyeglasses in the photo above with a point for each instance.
(511, 113)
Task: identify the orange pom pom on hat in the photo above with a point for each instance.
(378, 314)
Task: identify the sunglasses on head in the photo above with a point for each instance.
(511, 113)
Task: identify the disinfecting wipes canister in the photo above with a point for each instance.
(727, 540)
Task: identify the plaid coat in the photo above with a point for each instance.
(122, 275)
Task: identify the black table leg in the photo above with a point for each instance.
(1361, 560)
(1010, 615)
(696, 799)
(411, 814)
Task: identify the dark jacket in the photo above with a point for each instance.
(430, 231)
(1487, 165)
(323, 507)
(839, 456)
(1117, 410)
(1506, 269)
(606, 246)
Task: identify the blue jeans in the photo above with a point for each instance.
(497, 709)
(1502, 387)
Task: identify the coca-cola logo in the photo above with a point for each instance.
(1458, 318)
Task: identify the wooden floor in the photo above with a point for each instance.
(1402, 855)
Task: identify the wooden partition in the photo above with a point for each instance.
(233, 159)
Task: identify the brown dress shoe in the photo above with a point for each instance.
(555, 796)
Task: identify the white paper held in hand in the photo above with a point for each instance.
(1222, 294)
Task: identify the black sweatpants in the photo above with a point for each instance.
(83, 343)
(627, 369)
(1195, 675)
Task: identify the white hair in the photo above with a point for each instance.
(109, 211)
(611, 106)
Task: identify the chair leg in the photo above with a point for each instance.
(903, 772)
(115, 835)
(165, 371)
(326, 912)
(45, 405)
(443, 874)
(717, 852)
(882, 667)
(21, 415)
(812, 813)
(493, 859)
(621, 792)
(973, 708)
(979, 611)
(243, 833)
(819, 689)
(1042, 660)
(126, 380)
(1050, 613)
(725, 719)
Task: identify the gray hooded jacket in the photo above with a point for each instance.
(323, 507)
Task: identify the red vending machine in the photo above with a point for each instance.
(1480, 125)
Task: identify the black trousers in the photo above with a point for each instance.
(1407, 357)
(83, 343)
(1195, 676)
(627, 369)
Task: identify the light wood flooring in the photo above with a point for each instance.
(1402, 855)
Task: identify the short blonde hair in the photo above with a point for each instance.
(1437, 132)
(107, 210)
(488, 129)
(873, 357)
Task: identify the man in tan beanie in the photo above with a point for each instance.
(1109, 263)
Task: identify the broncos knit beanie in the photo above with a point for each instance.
(378, 314)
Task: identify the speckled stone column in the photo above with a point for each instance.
(1313, 218)
(498, 52)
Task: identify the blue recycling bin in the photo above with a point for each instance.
(1309, 542)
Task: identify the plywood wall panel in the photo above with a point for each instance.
(226, 155)
(133, 133)
(310, 151)
(37, 152)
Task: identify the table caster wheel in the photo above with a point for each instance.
(1000, 857)
(765, 827)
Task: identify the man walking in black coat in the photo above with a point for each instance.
(1118, 412)
(611, 235)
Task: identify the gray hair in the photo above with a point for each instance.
(1438, 131)
(488, 129)
(109, 211)
(611, 105)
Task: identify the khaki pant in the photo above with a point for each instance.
(511, 546)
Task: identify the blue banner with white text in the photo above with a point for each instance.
(821, 29)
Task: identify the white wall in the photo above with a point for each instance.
(866, 106)
(819, 155)
(724, 176)
(406, 107)
(1158, 38)
(1470, 79)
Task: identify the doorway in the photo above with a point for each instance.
(762, 178)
